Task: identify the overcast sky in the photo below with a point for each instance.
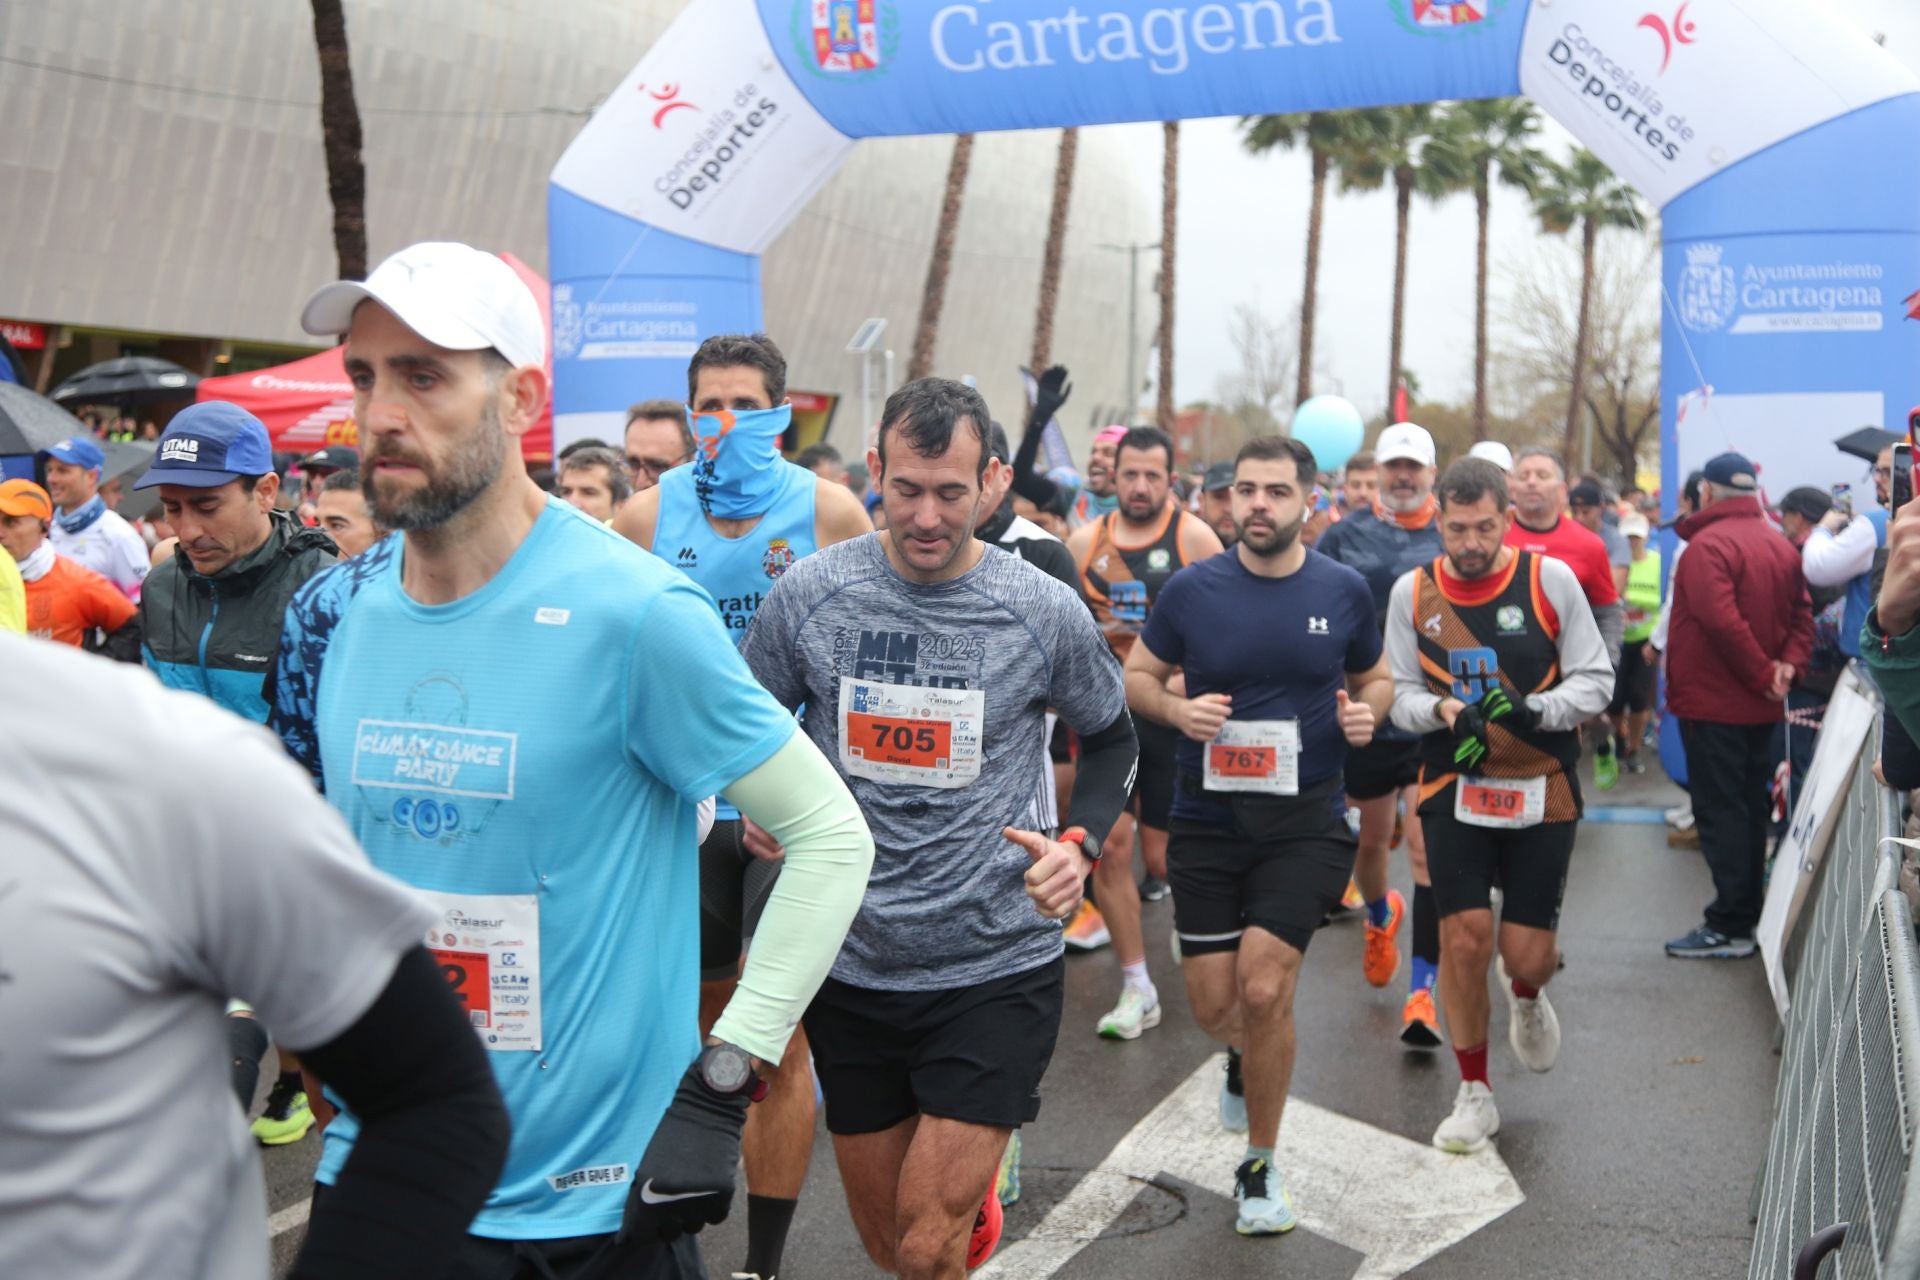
(1243, 234)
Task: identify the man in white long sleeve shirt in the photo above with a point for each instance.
(1497, 661)
(1839, 552)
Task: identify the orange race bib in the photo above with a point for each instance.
(1500, 802)
(1255, 755)
(911, 734)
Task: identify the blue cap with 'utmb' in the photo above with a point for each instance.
(210, 444)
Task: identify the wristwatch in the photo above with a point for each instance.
(728, 1071)
(1088, 845)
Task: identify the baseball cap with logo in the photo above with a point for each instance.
(453, 295)
(208, 445)
(1731, 471)
(1493, 451)
(1219, 476)
(25, 498)
(335, 457)
(79, 451)
(1405, 441)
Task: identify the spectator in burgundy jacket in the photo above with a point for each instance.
(1741, 634)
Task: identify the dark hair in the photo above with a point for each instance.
(600, 456)
(1274, 448)
(927, 412)
(1691, 489)
(732, 350)
(1363, 461)
(346, 478)
(1469, 480)
(1807, 502)
(997, 443)
(585, 442)
(1536, 451)
(815, 454)
(1144, 438)
(664, 411)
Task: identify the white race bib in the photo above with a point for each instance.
(911, 734)
(1500, 802)
(488, 948)
(1255, 755)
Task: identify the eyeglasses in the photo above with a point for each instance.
(1883, 473)
(653, 468)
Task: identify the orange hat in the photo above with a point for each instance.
(25, 498)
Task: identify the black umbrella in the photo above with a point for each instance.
(1867, 442)
(30, 422)
(130, 380)
(127, 461)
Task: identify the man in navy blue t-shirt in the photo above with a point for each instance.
(1284, 671)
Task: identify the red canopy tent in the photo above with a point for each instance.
(308, 404)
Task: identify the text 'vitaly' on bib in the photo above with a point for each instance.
(1500, 802)
(1255, 755)
(488, 950)
(912, 734)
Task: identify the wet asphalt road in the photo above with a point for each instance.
(1635, 1155)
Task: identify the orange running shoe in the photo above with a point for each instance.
(1419, 1023)
(986, 1232)
(1087, 930)
(1382, 960)
(1351, 899)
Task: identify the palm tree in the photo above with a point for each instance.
(1583, 192)
(940, 261)
(1056, 242)
(1473, 145)
(1386, 146)
(1169, 212)
(1328, 137)
(340, 130)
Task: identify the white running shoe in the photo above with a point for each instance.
(1233, 1097)
(1137, 1011)
(1680, 817)
(1266, 1207)
(1474, 1121)
(1533, 1029)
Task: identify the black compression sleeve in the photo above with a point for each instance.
(1105, 778)
(1035, 488)
(433, 1133)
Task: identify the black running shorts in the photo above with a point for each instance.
(1633, 685)
(1283, 876)
(1528, 863)
(1153, 779)
(973, 1054)
(734, 888)
(1382, 767)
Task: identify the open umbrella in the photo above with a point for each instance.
(127, 461)
(1867, 442)
(30, 422)
(130, 380)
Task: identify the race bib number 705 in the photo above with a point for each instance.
(909, 733)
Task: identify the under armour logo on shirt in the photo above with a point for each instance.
(1317, 627)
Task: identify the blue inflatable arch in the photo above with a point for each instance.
(1777, 142)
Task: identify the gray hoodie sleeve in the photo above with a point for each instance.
(1414, 706)
(1586, 674)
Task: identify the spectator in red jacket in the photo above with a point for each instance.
(1742, 632)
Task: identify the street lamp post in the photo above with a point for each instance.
(1133, 251)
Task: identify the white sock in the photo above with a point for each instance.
(1135, 976)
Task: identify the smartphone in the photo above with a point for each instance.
(1902, 479)
(1843, 499)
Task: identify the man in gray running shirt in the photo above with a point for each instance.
(927, 661)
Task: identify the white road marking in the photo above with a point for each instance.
(294, 1215)
(1394, 1201)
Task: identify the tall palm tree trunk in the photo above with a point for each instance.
(1589, 237)
(940, 261)
(1316, 215)
(340, 129)
(1056, 243)
(1483, 205)
(1403, 212)
(1169, 237)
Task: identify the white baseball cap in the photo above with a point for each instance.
(453, 295)
(1404, 440)
(1495, 452)
(1634, 525)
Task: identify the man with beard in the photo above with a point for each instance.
(734, 522)
(1125, 557)
(1284, 672)
(1398, 532)
(1216, 502)
(927, 661)
(1497, 661)
(517, 710)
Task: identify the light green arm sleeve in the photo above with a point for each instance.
(797, 796)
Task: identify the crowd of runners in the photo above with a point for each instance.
(599, 832)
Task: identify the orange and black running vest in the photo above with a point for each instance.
(1121, 583)
(1505, 632)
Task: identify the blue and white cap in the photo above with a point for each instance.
(208, 445)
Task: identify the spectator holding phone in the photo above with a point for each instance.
(1891, 643)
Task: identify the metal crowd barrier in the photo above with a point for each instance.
(1848, 1096)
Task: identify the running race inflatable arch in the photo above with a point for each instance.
(1778, 143)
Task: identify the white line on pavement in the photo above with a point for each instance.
(287, 1219)
(1396, 1202)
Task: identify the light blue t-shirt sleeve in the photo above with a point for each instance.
(695, 716)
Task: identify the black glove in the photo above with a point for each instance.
(685, 1180)
(1500, 708)
(1052, 393)
(1470, 733)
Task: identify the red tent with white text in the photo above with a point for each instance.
(308, 404)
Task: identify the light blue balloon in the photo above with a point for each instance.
(1332, 428)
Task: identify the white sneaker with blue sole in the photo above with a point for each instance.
(1266, 1206)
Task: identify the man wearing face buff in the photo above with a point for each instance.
(927, 662)
(734, 521)
(517, 711)
(1497, 660)
(1284, 672)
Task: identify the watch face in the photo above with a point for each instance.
(726, 1069)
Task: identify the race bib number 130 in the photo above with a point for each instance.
(907, 733)
(1500, 802)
